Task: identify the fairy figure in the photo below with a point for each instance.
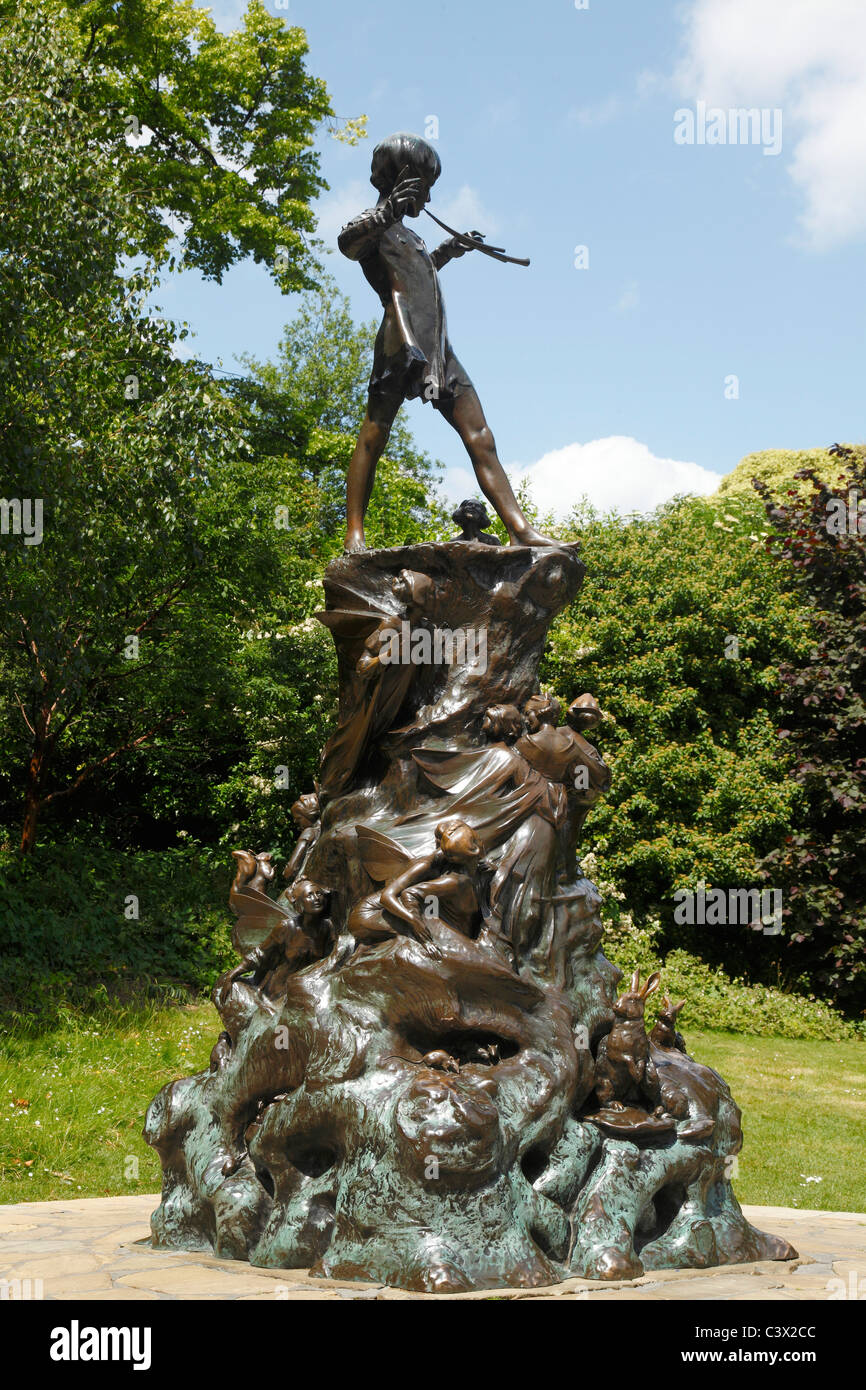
(446, 885)
(378, 686)
(302, 935)
(306, 815)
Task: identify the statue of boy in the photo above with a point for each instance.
(413, 356)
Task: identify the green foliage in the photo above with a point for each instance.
(154, 528)
(178, 514)
(302, 414)
(733, 1005)
(777, 469)
(221, 127)
(821, 540)
(67, 942)
(699, 789)
(715, 999)
(704, 785)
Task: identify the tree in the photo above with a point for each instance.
(223, 127)
(821, 540)
(679, 633)
(188, 518)
(134, 458)
(302, 413)
(779, 470)
(231, 769)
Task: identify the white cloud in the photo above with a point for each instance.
(617, 473)
(460, 482)
(809, 58)
(502, 113)
(602, 114)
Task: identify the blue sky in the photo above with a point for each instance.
(706, 261)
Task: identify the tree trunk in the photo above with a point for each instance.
(33, 799)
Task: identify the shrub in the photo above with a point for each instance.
(66, 939)
(714, 1000)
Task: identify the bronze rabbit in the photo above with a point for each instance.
(665, 1033)
(624, 1070)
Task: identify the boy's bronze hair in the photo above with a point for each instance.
(398, 151)
(306, 809)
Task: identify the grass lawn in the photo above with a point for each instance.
(72, 1105)
(804, 1117)
(73, 1099)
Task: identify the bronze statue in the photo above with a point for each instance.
(428, 1073)
(624, 1069)
(255, 911)
(380, 685)
(471, 517)
(502, 723)
(665, 1032)
(306, 814)
(302, 935)
(445, 886)
(413, 355)
(520, 792)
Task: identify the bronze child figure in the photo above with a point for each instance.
(454, 877)
(471, 517)
(413, 356)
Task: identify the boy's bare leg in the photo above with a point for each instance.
(362, 470)
(467, 417)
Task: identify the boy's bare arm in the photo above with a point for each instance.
(448, 251)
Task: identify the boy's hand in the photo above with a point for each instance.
(457, 246)
(405, 193)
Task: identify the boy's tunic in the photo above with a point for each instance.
(412, 356)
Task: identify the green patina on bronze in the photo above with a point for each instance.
(429, 1074)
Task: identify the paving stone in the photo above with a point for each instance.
(71, 1285)
(54, 1265)
(96, 1249)
(131, 1265)
(118, 1296)
(22, 1250)
(194, 1282)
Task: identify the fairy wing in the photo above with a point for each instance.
(349, 623)
(250, 902)
(382, 857)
